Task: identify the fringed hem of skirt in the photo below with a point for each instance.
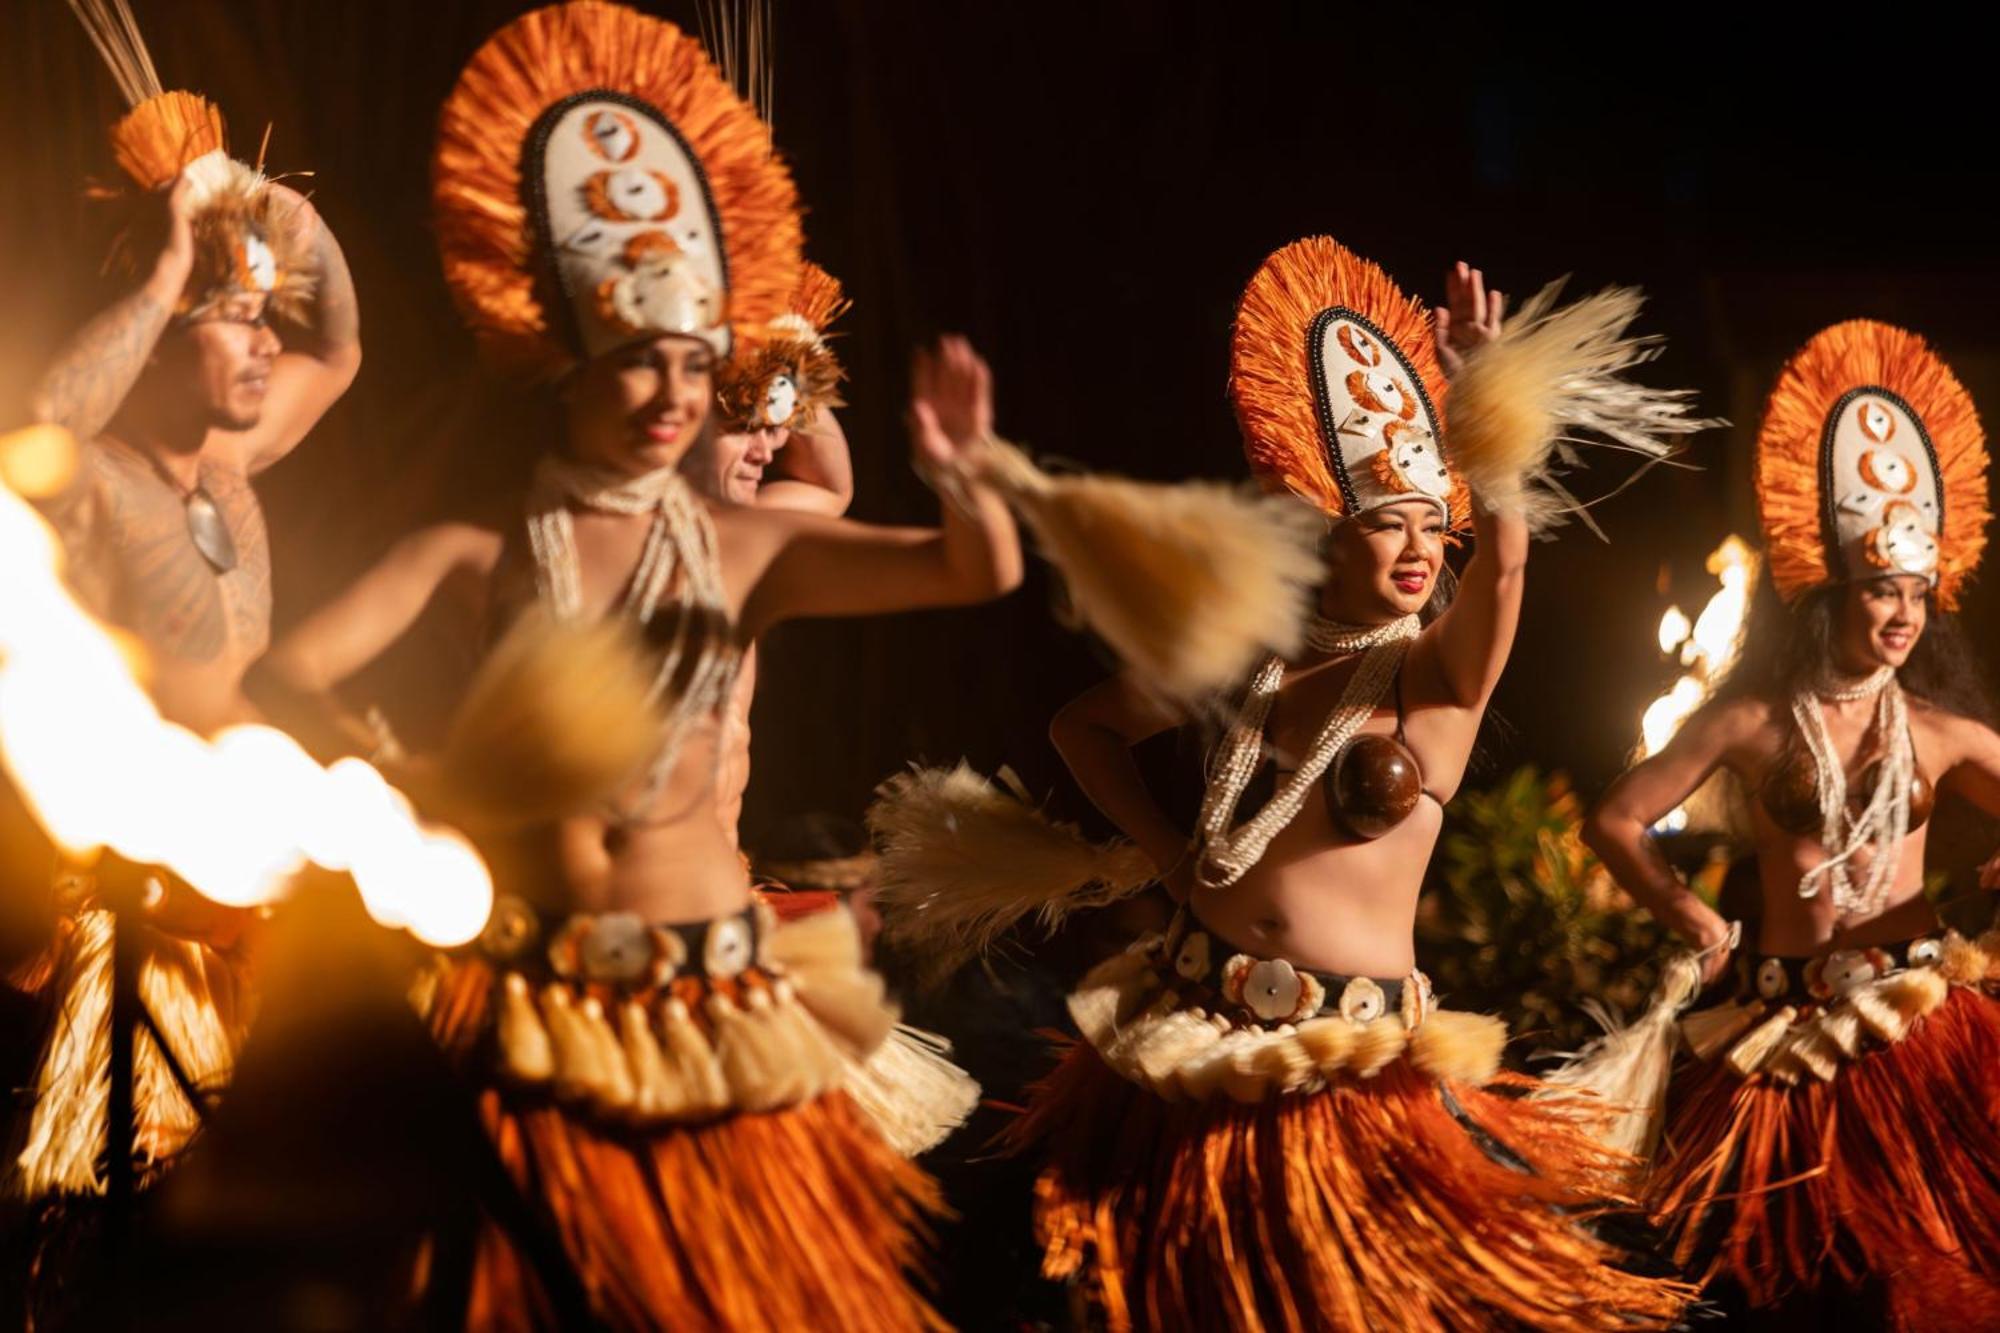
(799, 1217)
(1393, 1201)
(1887, 1174)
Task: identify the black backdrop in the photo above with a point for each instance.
(1084, 187)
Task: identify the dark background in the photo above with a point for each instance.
(1084, 188)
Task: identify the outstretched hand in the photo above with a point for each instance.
(951, 402)
(1469, 319)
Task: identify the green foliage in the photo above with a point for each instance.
(1520, 919)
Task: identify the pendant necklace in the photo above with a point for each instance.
(207, 528)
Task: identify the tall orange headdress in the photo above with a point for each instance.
(787, 375)
(1337, 385)
(245, 236)
(1871, 460)
(597, 181)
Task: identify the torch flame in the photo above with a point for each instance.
(1674, 629)
(236, 817)
(1707, 647)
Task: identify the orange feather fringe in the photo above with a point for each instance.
(788, 350)
(801, 1218)
(164, 133)
(158, 139)
(541, 57)
(1837, 359)
(1269, 360)
(819, 300)
(1887, 1176)
(1368, 1205)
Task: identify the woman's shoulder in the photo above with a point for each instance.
(1941, 720)
(1745, 719)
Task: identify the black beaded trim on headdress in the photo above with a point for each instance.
(535, 147)
(1323, 400)
(1829, 517)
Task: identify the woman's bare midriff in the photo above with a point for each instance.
(673, 865)
(1321, 901)
(674, 862)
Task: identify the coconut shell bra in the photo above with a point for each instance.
(1375, 782)
(1790, 795)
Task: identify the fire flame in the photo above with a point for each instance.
(1706, 648)
(236, 817)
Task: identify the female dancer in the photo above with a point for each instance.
(1842, 1130)
(1270, 1123)
(659, 1059)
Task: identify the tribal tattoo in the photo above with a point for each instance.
(83, 389)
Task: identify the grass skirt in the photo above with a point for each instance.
(794, 1215)
(1883, 1176)
(1386, 1178)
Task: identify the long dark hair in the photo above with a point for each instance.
(1788, 649)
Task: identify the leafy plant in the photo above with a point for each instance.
(1520, 919)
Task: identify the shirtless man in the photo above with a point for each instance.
(813, 476)
(179, 393)
(776, 408)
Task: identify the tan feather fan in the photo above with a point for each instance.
(965, 859)
(1525, 401)
(1191, 585)
(1627, 1068)
(559, 718)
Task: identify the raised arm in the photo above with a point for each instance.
(1619, 829)
(816, 566)
(1094, 733)
(814, 473)
(294, 683)
(1974, 773)
(1467, 647)
(319, 361)
(83, 387)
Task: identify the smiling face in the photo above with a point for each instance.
(729, 465)
(1384, 564)
(224, 358)
(1880, 621)
(641, 407)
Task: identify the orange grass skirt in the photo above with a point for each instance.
(794, 1219)
(1886, 1177)
(1366, 1205)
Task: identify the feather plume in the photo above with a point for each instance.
(964, 860)
(115, 34)
(1526, 400)
(1190, 585)
(559, 718)
(1627, 1068)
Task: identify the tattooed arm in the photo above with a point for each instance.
(309, 377)
(84, 387)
